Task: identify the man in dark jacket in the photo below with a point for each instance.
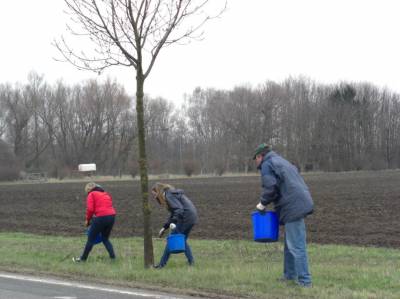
(183, 216)
(283, 185)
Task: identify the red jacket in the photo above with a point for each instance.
(99, 204)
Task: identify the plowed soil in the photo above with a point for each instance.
(360, 208)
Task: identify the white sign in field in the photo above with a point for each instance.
(87, 167)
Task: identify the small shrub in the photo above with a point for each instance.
(133, 168)
(8, 174)
(154, 166)
(189, 167)
(220, 168)
(309, 167)
(63, 172)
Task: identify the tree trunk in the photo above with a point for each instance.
(147, 231)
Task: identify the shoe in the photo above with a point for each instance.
(158, 266)
(304, 285)
(77, 260)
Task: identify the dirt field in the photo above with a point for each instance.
(352, 208)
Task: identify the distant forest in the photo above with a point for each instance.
(338, 127)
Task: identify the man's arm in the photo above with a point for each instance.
(270, 186)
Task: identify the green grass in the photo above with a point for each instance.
(233, 268)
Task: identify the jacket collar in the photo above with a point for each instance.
(266, 157)
(97, 188)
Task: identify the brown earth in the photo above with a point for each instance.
(359, 208)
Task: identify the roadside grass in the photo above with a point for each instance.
(231, 268)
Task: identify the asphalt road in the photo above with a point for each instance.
(14, 286)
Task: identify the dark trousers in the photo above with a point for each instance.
(185, 229)
(103, 225)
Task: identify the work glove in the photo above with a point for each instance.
(172, 226)
(260, 207)
(160, 234)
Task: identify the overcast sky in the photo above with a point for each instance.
(254, 41)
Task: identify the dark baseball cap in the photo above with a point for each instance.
(262, 148)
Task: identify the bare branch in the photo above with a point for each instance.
(130, 33)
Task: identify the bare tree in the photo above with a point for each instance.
(132, 33)
(337, 127)
(158, 115)
(9, 168)
(36, 92)
(3, 124)
(17, 116)
(204, 108)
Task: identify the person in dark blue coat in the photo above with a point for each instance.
(284, 187)
(183, 216)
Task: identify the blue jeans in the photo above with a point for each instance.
(188, 251)
(295, 253)
(103, 225)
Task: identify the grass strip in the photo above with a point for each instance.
(232, 268)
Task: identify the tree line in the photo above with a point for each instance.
(338, 127)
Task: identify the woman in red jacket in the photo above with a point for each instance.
(100, 214)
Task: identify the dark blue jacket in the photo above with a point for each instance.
(183, 212)
(284, 186)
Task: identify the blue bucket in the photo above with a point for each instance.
(176, 243)
(265, 226)
(98, 238)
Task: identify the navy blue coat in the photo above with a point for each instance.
(182, 211)
(284, 186)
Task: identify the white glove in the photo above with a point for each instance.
(161, 232)
(260, 207)
(172, 226)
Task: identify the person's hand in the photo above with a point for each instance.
(172, 226)
(87, 223)
(260, 207)
(160, 234)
